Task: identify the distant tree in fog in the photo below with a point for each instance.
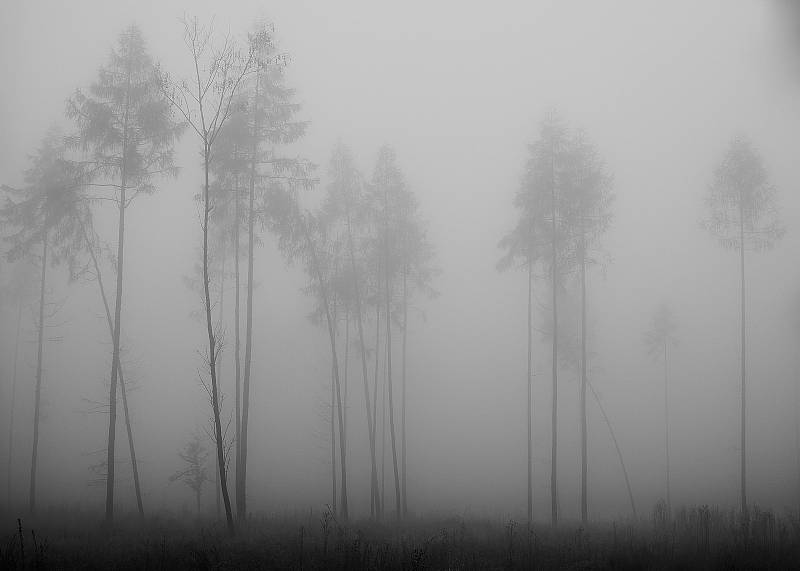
(303, 236)
(194, 474)
(345, 215)
(17, 292)
(125, 126)
(742, 214)
(586, 211)
(524, 247)
(657, 340)
(43, 214)
(538, 237)
(206, 102)
(269, 110)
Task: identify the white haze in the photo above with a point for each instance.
(458, 88)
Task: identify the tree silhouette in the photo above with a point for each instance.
(206, 104)
(657, 339)
(44, 213)
(742, 214)
(125, 125)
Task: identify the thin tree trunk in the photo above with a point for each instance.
(241, 477)
(38, 393)
(403, 404)
(666, 428)
(220, 318)
(374, 427)
(11, 412)
(346, 357)
(112, 399)
(237, 332)
(126, 410)
(554, 411)
(616, 445)
(332, 335)
(744, 369)
(584, 430)
(212, 350)
(530, 390)
(333, 439)
(360, 324)
(387, 286)
(383, 440)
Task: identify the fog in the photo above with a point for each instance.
(459, 91)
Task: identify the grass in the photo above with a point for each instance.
(696, 538)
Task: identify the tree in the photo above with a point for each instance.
(206, 103)
(125, 124)
(18, 291)
(742, 214)
(344, 206)
(587, 215)
(195, 474)
(524, 246)
(269, 110)
(43, 214)
(303, 236)
(657, 339)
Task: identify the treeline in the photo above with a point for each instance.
(364, 250)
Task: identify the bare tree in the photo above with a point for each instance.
(206, 103)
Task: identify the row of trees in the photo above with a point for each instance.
(564, 202)
(365, 248)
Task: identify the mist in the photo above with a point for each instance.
(459, 92)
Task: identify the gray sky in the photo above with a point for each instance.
(458, 89)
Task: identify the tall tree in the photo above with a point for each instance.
(344, 208)
(18, 291)
(42, 214)
(206, 103)
(388, 188)
(657, 339)
(524, 246)
(587, 215)
(270, 111)
(742, 214)
(125, 124)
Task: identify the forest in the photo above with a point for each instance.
(360, 286)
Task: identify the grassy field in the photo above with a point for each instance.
(696, 538)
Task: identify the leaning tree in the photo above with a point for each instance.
(126, 128)
(742, 215)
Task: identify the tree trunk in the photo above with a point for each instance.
(744, 369)
(333, 440)
(237, 340)
(212, 350)
(403, 403)
(389, 380)
(220, 318)
(332, 335)
(360, 324)
(584, 430)
(126, 410)
(11, 412)
(530, 390)
(666, 428)
(374, 428)
(38, 393)
(241, 477)
(554, 410)
(616, 445)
